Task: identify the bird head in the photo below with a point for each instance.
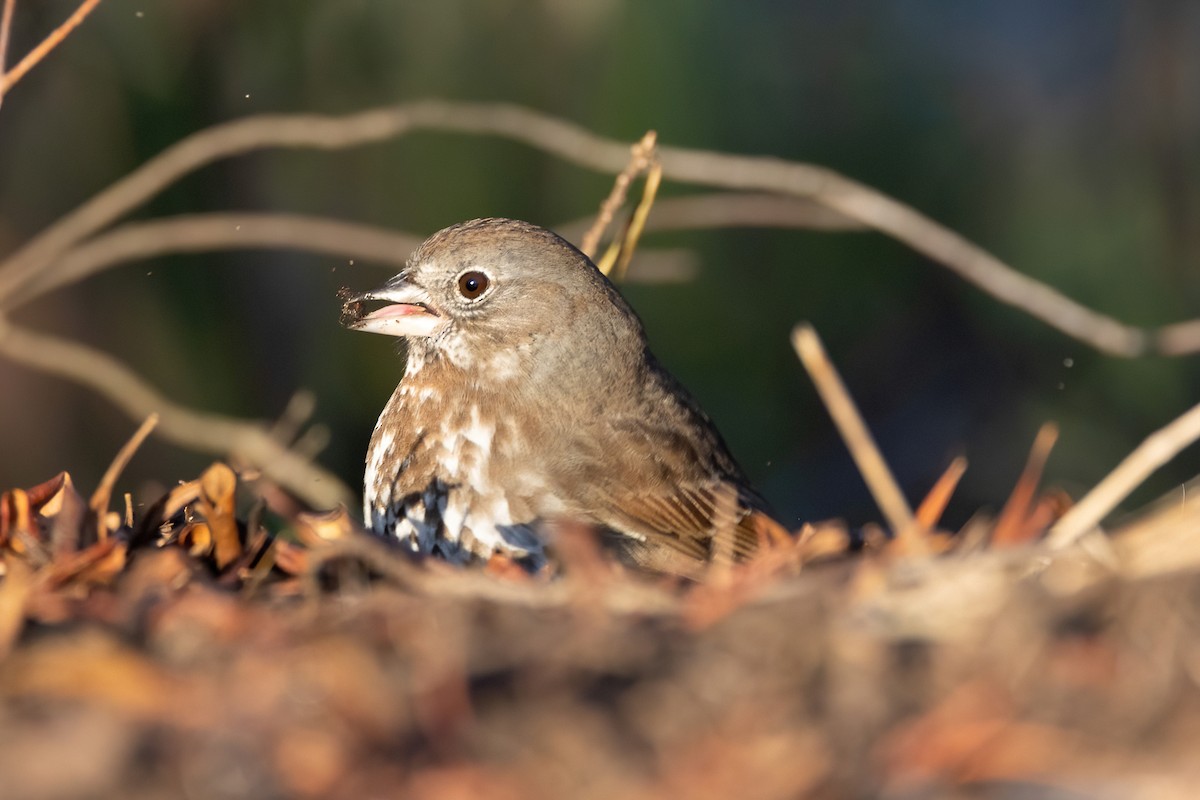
(499, 290)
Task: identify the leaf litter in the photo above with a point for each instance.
(193, 650)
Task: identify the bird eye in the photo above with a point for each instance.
(472, 284)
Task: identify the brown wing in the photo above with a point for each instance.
(692, 519)
(664, 478)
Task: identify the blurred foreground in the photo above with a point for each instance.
(186, 651)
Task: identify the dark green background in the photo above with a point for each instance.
(1062, 136)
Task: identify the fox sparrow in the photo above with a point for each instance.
(531, 398)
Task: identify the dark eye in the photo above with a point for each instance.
(472, 284)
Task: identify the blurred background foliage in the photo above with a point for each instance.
(1062, 136)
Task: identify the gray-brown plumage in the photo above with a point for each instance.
(530, 397)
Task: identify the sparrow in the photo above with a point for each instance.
(530, 399)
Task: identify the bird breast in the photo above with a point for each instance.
(448, 471)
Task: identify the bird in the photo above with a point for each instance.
(529, 400)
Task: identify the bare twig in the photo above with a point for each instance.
(6, 17)
(639, 160)
(296, 414)
(1158, 448)
(197, 233)
(100, 498)
(574, 144)
(637, 223)
(745, 210)
(209, 433)
(1178, 339)
(188, 233)
(10, 78)
(854, 431)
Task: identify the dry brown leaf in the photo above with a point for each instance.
(99, 563)
(68, 513)
(218, 486)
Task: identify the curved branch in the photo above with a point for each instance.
(210, 433)
(197, 233)
(193, 233)
(581, 147)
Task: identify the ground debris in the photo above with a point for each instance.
(197, 651)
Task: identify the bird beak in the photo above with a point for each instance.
(407, 312)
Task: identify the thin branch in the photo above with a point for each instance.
(193, 233)
(197, 233)
(1178, 339)
(874, 469)
(745, 210)
(6, 17)
(1158, 448)
(637, 223)
(10, 78)
(581, 147)
(101, 497)
(209, 433)
(639, 160)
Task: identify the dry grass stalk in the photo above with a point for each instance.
(1158, 448)
(858, 439)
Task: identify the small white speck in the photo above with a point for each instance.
(352, 262)
(139, 14)
(237, 227)
(1068, 362)
(148, 274)
(247, 96)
